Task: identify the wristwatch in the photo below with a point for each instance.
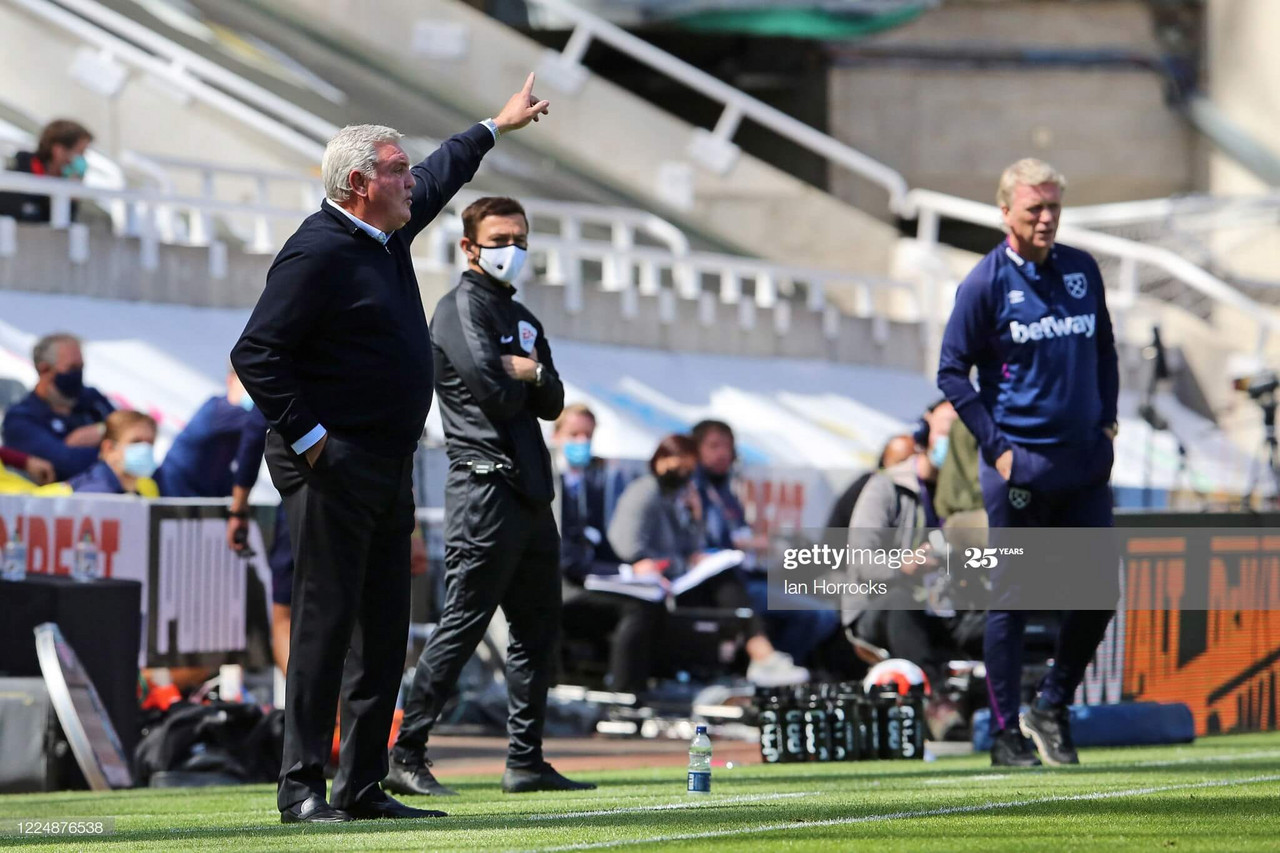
(537, 376)
(238, 513)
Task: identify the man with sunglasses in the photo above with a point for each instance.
(494, 381)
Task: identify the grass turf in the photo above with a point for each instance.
(1220, 793)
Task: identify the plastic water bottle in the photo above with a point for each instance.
(15, 559)
(86, 562)
(700, 762)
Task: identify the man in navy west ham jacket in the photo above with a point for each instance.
(1032, 317)
(338, 358)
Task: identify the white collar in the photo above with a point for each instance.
(381, 236)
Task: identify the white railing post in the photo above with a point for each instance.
(730, 286)
(59, 210)
(564, 71)
(927, 228)
(262, 225)
(617, 273)
(766, 290)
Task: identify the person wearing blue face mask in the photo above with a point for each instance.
(495, 380)
(61, 420)
(59, 154)
(585, 495)
(127, 459)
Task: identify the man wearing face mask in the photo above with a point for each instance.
(338, 357)
(59, 154)
(494, 381)
(798, 633)
(586, 495)
(61, 420)
(127, 460)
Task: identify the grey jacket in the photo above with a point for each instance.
(647, 523)
(888, 514)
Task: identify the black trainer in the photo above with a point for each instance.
(410, 775)
(1051, 733)
(1011, 749)
(544, 778)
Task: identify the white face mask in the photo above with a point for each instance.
(503, 263)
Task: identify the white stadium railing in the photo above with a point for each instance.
(713, 149)
(930, 208)
(157, 215)
(641, 255)
(120, 39)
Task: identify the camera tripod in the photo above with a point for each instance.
(1266, 456)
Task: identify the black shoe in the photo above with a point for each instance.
(379, 806)
(1051, 733)
(1010, 749)
(412, 777)
(544, 778)
(313, 810)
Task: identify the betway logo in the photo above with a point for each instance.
(1053, 327)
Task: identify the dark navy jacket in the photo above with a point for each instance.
(220, 447)
(34, 428)
(1041, 338)
(585, 502)
(97, 480)
(339, 336)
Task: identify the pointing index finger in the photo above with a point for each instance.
(528, 84)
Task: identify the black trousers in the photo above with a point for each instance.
(350, 519)
(499, 550)
(631, 626)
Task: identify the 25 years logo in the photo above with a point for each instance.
(987, 558)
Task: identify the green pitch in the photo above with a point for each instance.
(1222, 793)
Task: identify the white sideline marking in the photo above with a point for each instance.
(939, 812)
(1196, 759)
(687, 804)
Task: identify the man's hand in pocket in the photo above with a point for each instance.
(313, 452)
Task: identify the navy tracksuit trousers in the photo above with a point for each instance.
(1051, 486)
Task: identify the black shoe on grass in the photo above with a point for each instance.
(1050, 731)
(1011, 749)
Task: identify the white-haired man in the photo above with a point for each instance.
(1032, 317)
(337, 356)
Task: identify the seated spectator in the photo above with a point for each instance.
(61, 420)
(220, 449)
(583, 496)
(799, 633)
(895, 510)
(657, 527)
(127, 460)
(59, 154)
(896, 449)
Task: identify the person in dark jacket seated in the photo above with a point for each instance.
(657, 526)
(59, 154)
(61, 419)
(127, 459)
(799, 633)
(586, 492)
